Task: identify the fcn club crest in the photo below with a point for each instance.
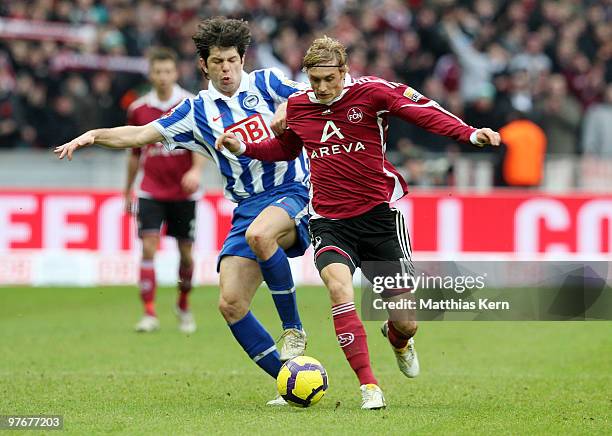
(345, 339)
(354, 115)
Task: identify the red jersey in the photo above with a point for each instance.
(346, 139)
(161, 171)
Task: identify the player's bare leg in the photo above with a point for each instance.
(269, 235)
(147, 282)
(239, 279)
(350, 332)
(185, 316)
(272, 228)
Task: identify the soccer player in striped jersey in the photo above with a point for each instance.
(270, 221)
(342, 125)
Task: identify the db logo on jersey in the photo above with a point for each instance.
(345, 339)
(354, 115)
(251, 129)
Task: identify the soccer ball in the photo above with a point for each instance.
(302, 381)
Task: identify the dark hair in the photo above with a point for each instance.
(161, 54)
(222, 32)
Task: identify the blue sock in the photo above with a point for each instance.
(258, 343)
(277, 274)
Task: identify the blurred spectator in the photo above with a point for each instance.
(62, 120)
(37, 129)
(559, 114)
(525, 142)
(533, 59)
(9, 107)
(418, 170)
(521, 94)
(478, 66)
(480, 59)
(99, 107)
(413, 168)
(482, 111)
(597, 131)
(9, 120)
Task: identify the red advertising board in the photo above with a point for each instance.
(439, 222)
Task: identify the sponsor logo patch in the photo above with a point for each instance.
(291, 83)
(251, 129)
(413, 95)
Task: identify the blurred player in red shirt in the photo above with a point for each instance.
(342, 124)
(167, 190)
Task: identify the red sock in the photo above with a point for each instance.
(147, 286)
(184, 286)
(397, 338)
(352, 338)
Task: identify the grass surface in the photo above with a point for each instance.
(72, 352)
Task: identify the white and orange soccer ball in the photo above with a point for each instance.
(302, 381)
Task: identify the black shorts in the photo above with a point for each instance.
(379, 235)
(179, 217)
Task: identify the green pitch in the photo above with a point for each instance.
(72, 352)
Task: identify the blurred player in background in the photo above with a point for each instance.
(167, 191)
(270, 221)
(342, 124)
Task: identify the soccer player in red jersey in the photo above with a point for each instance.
(342, 124)
(167, 191)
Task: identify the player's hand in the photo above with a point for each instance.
(487, 136)
(128, 203)
(229, 141)
(191, 181)
(68, 148)
(279, 122)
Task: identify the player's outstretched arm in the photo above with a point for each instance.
(286, 147)
(116, 137)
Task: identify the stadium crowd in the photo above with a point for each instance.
(490, 62)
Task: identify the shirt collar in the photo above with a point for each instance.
(348, 82)
(215, 94)
(165, 105)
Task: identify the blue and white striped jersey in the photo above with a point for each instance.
(196, 122)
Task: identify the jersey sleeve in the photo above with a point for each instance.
(177, 126)
(286, 147)
(410, 105)
(281, 86)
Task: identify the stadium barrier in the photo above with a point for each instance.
(83, 237)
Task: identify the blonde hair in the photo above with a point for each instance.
(325, 50)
